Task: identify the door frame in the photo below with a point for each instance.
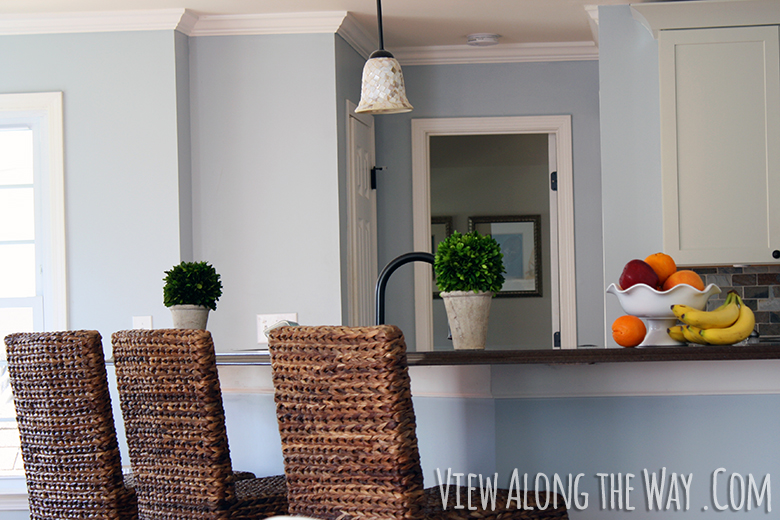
(558, 129)
(360, 281)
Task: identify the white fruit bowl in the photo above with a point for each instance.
(655, 307)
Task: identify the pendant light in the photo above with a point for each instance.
(383, 90)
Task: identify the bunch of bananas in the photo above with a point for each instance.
(730, 323)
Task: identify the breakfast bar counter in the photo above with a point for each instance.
(557, 356)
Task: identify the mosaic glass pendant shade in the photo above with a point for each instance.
(383, 90)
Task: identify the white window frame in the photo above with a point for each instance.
(43, 113)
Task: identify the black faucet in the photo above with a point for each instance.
(389, 269)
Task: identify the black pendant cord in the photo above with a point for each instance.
(379, 24)
(380, 52)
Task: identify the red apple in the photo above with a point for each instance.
(638, 271)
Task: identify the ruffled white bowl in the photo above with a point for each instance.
(655, 307)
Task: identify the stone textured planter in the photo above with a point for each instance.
(189, 316)
(467, 314)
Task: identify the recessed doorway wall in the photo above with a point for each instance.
(492, 175)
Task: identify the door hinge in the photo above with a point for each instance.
(554, 181)
(557, 340)
(373, 175)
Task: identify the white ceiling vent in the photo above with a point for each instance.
(482, 39)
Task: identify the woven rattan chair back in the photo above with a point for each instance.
(346, 420)
(66, 427)
(175, 428)
(345, 414)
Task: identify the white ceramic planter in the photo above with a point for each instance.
(467, 314)
(189, 316)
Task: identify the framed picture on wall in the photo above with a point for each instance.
(520, 239)
(441, 228)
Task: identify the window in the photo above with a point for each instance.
(32, 235)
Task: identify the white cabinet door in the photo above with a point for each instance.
(720, 139)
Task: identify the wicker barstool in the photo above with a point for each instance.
(66, 427)
(344, 407)
(175, 427)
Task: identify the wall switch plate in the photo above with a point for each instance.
(142, 322)
(266, 320)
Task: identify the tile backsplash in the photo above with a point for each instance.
(757, 285)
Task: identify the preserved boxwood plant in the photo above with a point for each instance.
(192, 283)
(470, 262)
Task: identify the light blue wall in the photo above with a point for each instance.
(685, 434)
(630, 145)
(121, 165)
(495, 90)
(182, 49)
(265, 178)
(457, 433)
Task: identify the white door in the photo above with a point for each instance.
(361, 219)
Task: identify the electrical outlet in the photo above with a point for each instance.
(266, 320)
(142, 322)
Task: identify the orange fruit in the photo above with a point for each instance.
(628, 331)
(663, 265)
(684, 276)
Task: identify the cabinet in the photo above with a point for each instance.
(720, 144)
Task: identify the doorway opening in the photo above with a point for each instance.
(431, 138)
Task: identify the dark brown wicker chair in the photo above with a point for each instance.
(175, 427)
(63, 409)
(345, 414)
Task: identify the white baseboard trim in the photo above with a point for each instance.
(13, 494)
(559, 381)
(636, 379)
(14, 502)
(470, 382)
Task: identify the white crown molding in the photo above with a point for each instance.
(358, 37)
(593, 19)
(273, 23)
(321, 22)
(103, 21)
(705, 13)
(501, 53)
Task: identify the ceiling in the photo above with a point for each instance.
(407, 23)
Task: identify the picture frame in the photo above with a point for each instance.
(520, 239)
(441, 228)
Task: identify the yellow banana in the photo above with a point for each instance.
(737, 332)
(676, 333)
(693, 334)
(722, 317)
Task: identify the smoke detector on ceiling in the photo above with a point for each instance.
(482, 39)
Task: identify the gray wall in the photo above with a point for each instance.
(121, 165)
(684, 434)
(265, 178)
(495, 90)
(630, 146)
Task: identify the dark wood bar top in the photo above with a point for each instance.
(582, 356)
